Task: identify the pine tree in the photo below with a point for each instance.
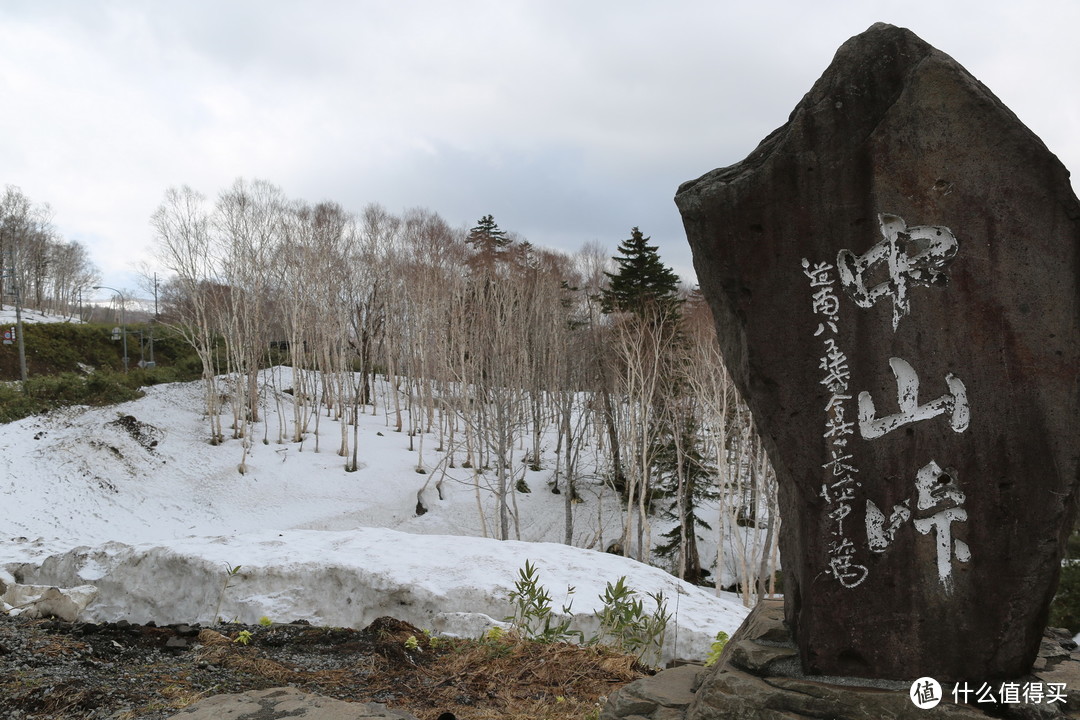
(646, 291)
(642, 281)
(683, 457)
(489, 242)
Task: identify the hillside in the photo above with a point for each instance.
(158, 514)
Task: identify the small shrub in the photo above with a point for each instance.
(625, 624)
(42, 393)
(533, 616)
(107, 388)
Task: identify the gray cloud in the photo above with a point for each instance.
(568, 121)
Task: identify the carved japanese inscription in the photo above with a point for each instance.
(938, 499)
(893, 279)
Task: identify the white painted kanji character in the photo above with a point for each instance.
(836, 400)
(847, 572)
(825, 302)
(912, 256)
(836, 363)
(818, 274)
(879, 533)
(844, 481)
(838, 514)
(843, 547)
(954, 402)
(835, 426)
(838, 464)
(936, 490)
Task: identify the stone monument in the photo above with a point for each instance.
(894, 277)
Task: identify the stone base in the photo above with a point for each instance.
(758, 677)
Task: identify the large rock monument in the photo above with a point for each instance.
(894, 276)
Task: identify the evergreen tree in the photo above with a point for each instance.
(489, 242)
(683, 457)
(641, 281)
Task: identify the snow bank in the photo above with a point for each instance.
(453, 585)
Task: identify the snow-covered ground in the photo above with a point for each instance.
(7, 316)
(134, 500)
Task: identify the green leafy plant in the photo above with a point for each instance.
(265, 621)
(230, 573)
(433, 640)
(412, 644)
(533, 617)
(624, 622)
(717, 648)
(243, 637)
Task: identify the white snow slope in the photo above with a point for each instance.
(153, 515)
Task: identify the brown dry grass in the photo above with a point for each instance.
(504, 678)
(127, 672)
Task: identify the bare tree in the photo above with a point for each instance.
(196, 292)
(748, 517)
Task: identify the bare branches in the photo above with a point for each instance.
(495, 355)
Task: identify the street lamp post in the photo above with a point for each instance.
(123, 319)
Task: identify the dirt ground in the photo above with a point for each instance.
(117, 671)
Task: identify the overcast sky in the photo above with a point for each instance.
(568, 121)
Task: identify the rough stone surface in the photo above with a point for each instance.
(893, 275)
(663, 696)
(285, 702)
(739, 687)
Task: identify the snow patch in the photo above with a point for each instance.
(453, 585)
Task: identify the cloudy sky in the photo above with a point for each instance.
(568, 121)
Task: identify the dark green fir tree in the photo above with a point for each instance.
(641, 282)
(675, 458)
(490, 244)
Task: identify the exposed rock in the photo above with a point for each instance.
(660, 697)
(741, 687)
(756, 657)
(285, 702)
(893, 275)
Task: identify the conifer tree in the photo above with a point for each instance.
(645, 289)
(488, 241)
(642, 281)
(686, 478)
